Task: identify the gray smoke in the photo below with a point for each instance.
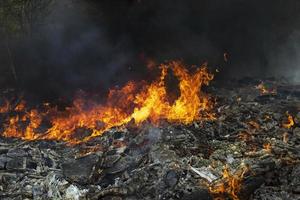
(94, 45)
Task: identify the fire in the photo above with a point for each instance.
(267, 147)
(290, 121)
(14, 126)
(20, 106)
(245, 136)
(229, 184)
(5, 108)
(254, 125)
(264, 90)
(132, 103)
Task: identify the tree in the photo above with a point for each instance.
(18, 19)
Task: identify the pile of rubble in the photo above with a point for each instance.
(251, 151)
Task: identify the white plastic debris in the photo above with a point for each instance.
(54, 184)
(204, 173)
(229, 159)
(74, 193)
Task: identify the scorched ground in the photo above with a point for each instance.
(240, 142)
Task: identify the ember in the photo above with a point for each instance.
(230, 183)
(266, 89)
(4, 108)
(290, 121)
(267, 147)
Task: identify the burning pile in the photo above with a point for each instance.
(133, 103)
(156, 145)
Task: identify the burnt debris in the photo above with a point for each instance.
(250, 151)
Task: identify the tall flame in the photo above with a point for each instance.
(130, 103)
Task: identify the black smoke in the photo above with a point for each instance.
(94, 45)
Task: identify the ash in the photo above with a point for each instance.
(250, 151)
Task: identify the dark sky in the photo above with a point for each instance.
(90, 44)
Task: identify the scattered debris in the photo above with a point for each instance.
(250, 150)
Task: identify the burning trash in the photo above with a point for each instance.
(87, 112)
(147, 142)
(133, 102)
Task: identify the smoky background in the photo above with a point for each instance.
(52, 48)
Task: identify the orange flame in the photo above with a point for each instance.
(244, 136)
(290, 121)
(254, 125)
(130, 103)
(5, 108)
(230, 184)
(264, 90)
(267, 147)
(20, 106)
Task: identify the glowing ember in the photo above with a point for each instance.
(267, 147)
(89, 150)
(230, 184)
(131, 103)
(244, 136)
(290, 121)
(20, 106)
(254, 125)
(4, 108)
(264, 89)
